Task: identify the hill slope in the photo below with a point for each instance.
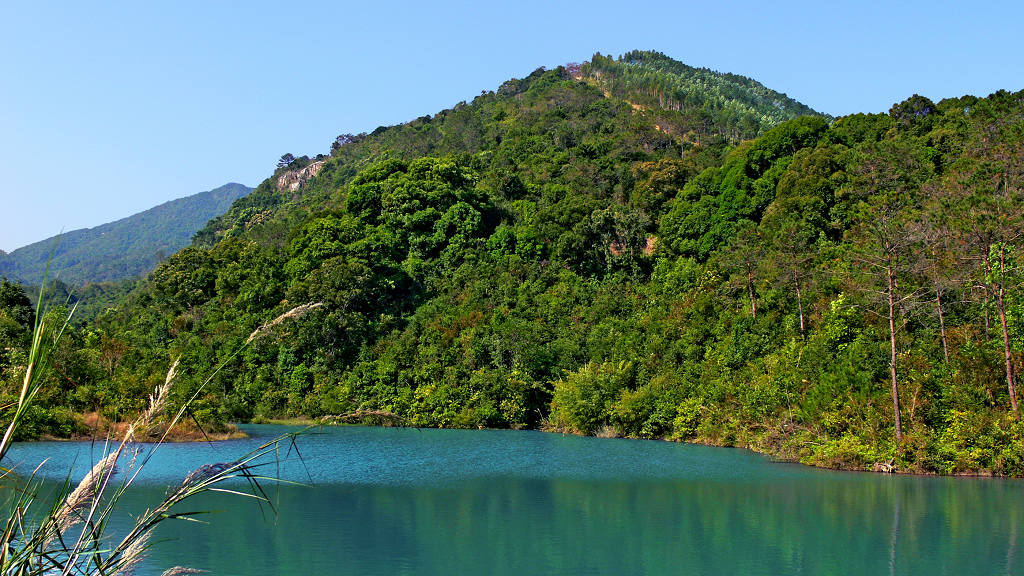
(125, 248)
(572, 251)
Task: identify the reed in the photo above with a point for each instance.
(68, 534)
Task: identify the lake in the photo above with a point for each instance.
(392, 501)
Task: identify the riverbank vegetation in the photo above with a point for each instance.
(608, 248)
(66, 528)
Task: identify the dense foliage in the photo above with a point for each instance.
(723, 104)
(564, 253)
(127, 248)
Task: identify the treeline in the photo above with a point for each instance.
(846, 293)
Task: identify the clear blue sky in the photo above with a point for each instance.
(107, 109)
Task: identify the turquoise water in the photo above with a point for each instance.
(423, 502)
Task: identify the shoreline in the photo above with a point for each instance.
(189, 432)
(794, 460)
(779, 457)
(94, 426)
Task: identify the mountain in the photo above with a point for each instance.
(629, 247)
(122, 249)
(601, 107)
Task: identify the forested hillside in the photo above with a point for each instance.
(625, 247)
(127, 248)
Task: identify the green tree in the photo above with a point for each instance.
(791, 262)
(743, 257)
(885, 238)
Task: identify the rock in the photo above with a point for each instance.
(884, 467)
(295, 179)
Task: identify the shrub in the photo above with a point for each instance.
(688, 419)
(646, 412)
(582, 399)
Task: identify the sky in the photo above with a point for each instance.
(108, 108)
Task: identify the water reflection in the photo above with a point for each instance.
(527, 503)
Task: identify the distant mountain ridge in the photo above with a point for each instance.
(122, 249)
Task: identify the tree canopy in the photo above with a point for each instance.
(608, 249)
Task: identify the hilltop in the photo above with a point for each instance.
(701, 114)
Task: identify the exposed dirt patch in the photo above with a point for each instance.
(96, 426)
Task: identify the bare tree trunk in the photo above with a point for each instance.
(1006, 352)
(1001, 308)
(750, 288)
(891, 276)
(988, 274)
(800, 309)
(942, 325)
